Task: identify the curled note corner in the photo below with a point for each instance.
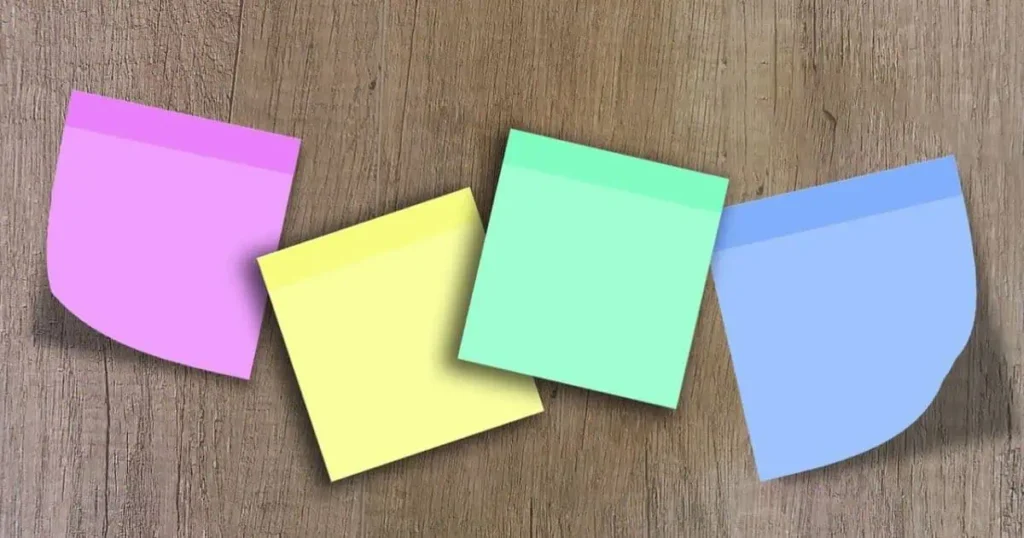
(156, 219)
(845, 307)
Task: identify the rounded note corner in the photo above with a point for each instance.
(55, 277)
(910, 411)
(960, 329)
(925, 403)
(55, 287)
(968, 323)
(967, 326)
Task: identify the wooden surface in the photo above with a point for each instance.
(398, 102)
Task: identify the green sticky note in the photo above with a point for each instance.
(593, 269)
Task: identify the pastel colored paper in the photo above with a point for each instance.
(371, 317)
(593, 269)
(156, 220)
(845, 307)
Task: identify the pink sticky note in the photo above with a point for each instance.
(156, 221)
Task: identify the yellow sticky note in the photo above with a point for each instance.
(372, 316)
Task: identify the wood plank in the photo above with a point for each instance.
(91, 429)
(399, 102)
(251, 466)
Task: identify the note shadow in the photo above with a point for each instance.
(54, 326)
(973, 404)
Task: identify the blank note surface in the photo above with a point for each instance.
(593, 270)
(845, 306)
(156, 220)
(371, 317)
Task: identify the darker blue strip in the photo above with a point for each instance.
(841, 201)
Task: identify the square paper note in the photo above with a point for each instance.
(371, 317)
(845, 306)
(593, 269)
(156, 220)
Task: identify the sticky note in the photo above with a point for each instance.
(371, 317)
(845, 306)
(593, 269)
(156, 220)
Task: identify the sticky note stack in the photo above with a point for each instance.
(844, 305)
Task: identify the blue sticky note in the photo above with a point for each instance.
(845, 306)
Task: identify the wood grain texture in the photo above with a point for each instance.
(398, 102)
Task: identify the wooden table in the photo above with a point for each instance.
(398, 102)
